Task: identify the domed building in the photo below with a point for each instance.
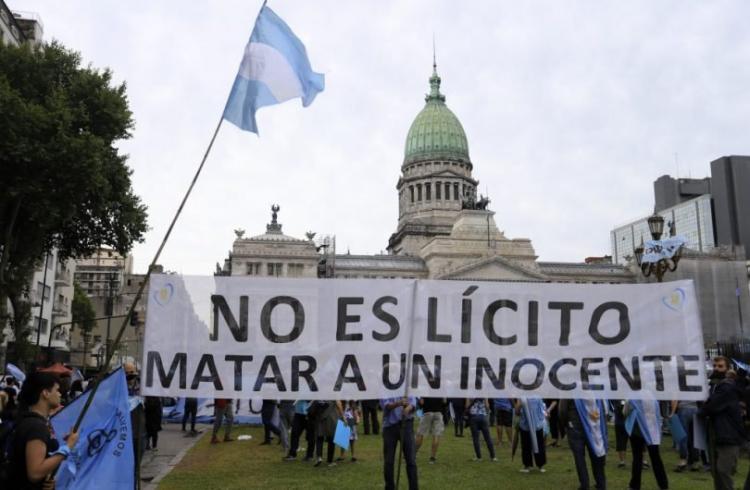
(444, 229)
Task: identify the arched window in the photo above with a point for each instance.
(447, 191)
(419, 192)
(437, 190)
(455, 191)
(411, 192)
(428, 191)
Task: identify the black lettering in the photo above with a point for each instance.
(587, 372)
(343, 318)
(306, 373)
(596, 317)
(239, 332)
(484, 367)
(207, 361)
(299, 319)
(165, 379)
(515, 376)
(385, 317)
(432, 335)
(465, 321)
(658, 371)
(554, 378)
(263, 378)
(433, 377)
(633, 380)
(565, 308)
(387, 371)
(238, 360)
(533, 323)
(464, 373)
(683, 373)
(350, 361)
(489, 322)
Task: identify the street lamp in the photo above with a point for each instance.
(668, 253)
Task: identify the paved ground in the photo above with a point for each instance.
(173, 444)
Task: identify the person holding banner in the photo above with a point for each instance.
(478, 408)
(504, 417)
(302, 423)
(643, 422)
(531, 425)
(685, 411)
(586, 427)
(222, 411)
(398, 426)
(35, 454)
(457, 404)
(190, 411)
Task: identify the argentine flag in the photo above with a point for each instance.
(274, 69)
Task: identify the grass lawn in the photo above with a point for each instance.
(246, 464)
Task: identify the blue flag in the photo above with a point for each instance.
(103, 457)
(274, 69)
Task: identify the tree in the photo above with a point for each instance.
(83, 313)
(63, 183)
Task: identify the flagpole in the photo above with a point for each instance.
(139, 294)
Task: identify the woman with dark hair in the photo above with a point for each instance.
(35, 453)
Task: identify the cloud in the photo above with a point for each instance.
(571, 109)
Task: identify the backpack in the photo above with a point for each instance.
(7, 430)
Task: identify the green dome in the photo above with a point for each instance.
(436, 133)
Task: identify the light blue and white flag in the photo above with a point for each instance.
(16, 372)
(274, 69)
(594, 424)
(656, 250)
(646, 414)
(103, 457)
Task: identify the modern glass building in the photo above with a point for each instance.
(691, 219)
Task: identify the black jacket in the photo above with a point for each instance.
(723, 411)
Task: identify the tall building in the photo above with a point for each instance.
(104, 278)
(444, 230)
(669, 192)
(17, 28)
(730, 189)
(691, 219)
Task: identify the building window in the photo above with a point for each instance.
(411, 192)
(42, 292)
(296, 270)
(43, 328)
(252, 268)
(437, 191)
(275, 269)
(428, 191)
(455, 191)
(419, 192)
(447, 191)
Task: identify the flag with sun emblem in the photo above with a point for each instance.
(104, 452)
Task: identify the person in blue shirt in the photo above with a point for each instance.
(398, 426)
(504, 415)
(531, 424)
(302, 423)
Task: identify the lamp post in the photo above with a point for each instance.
(664, 264)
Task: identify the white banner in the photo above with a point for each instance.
(243, 337)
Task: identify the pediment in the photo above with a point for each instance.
(494, 269)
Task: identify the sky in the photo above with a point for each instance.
(572, 109)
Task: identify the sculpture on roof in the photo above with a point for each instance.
(240, 233)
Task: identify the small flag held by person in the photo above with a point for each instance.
(274, 69)
(103, 456)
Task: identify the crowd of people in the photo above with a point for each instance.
(408, 423)
(534, 425)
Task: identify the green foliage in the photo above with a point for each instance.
(63, 183)
(82, 310)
